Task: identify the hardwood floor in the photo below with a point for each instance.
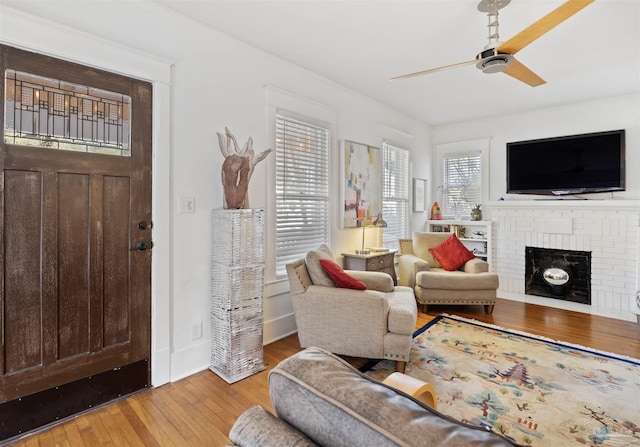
(200, 410)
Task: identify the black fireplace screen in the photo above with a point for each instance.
(559, 274)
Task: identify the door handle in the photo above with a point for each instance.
(142, 246)
(143, 225)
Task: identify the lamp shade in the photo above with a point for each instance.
(379, 221)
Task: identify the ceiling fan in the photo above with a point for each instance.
(499, 57)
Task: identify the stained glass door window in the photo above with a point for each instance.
(56, 114)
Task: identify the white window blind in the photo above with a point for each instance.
(302, 189)
(395, 194)
(462, 184)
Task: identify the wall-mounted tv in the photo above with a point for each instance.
(575, 164)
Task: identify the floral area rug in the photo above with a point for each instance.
(535, 391)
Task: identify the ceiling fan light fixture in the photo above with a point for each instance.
(492, 61)
(495, 64)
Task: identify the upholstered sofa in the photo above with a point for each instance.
(320, 400)
(376, 323)
(471, 283)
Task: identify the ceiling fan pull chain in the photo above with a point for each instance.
(493, 25)
(491, 8)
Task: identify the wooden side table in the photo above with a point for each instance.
(373, 262)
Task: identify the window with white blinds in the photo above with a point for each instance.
(302, 189)
(395, 194)
(461, 184)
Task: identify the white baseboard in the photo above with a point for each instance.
(191, 360)
(197, 357)
(279, 328)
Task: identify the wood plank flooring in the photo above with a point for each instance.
(200, 410)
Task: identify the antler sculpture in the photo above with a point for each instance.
(237, 169)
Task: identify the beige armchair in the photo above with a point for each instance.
(472, 283)
(376, 323)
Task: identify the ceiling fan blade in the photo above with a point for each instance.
(432, 70)
(545, 24)
(520, 72)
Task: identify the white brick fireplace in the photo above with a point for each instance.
(609, 229)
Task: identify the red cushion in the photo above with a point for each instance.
(451, 254)
(340, 277)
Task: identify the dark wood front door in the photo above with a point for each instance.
(75, 258)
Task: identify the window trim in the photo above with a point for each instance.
(460, 148)
(407, 200)
(280, 101)
(304, 198)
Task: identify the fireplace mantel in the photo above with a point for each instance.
(625, 204)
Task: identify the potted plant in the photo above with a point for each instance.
(476, 212)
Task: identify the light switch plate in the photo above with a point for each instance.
(186, 205)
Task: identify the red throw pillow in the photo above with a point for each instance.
(451, 254)
(340, 277)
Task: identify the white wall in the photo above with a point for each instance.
(214, 81)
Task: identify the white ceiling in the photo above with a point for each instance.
(362, 43)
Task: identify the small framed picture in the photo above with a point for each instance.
(419, 187)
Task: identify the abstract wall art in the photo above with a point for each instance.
(361, 185)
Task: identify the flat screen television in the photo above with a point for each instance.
(574, 164)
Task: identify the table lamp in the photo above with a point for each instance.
(378, 222)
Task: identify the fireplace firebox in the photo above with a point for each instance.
(559, 274)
